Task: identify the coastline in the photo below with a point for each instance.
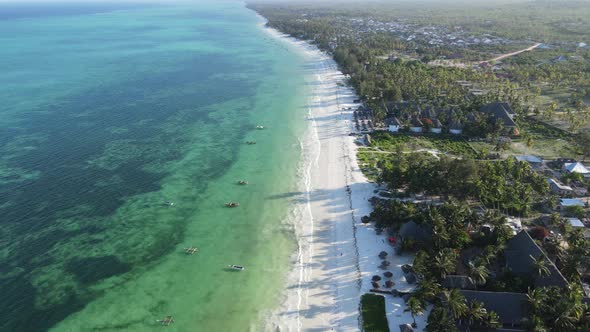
(337, 253)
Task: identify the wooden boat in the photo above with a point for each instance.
(242, 182)
(259, 127)
(232, 204)
(191, 250)
(169, 203)
(237, 267)
(251, 142)
(166, 321)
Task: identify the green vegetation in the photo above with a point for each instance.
(551, 83)
(373, 313)
(428, 62)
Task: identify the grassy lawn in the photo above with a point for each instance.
(384, 141)
(373, 312)
(543, 147)
(384, 144)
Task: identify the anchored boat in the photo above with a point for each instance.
(237, 267)
(232, 204)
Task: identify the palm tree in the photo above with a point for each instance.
(476, 314)
(540, 266)
(479, 273)
(428, 289)
(455, 302)
(444, 262)
(416, 307)
(536, 300)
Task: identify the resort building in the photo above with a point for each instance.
(510, 307)
(575, 222)
(416, 126)
(502, 112)
(456, 128)
(393, 124)
(567, 202)
(520, 253)
(559, 188)
(436, 127)
(576, 167)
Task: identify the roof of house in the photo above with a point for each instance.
(501, 111)
(416, 122)
(510, 307)
(415, 231)
(393, 121)
(428, 113)
(461, 282)
(577, 167)
(556, 185)
(456, 125)
(528, 158)
(575, 222)
(520, 252)
(436, 124)
(563, 202)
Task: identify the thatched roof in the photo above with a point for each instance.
(510, 307)
(518, 253)
(461, 282)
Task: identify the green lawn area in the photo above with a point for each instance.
(384, 141)
(383, 144)
(373, 313)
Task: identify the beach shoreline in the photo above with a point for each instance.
(336, 253)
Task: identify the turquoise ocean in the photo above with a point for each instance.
(107, 112)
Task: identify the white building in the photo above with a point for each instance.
(393, 125)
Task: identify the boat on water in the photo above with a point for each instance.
(259, 127)
(237, 267)
(169, 203)
(251, 142)
(232, 204)
(242, 182)
(191, 250)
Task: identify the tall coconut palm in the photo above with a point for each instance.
(479, 273)
(416, 307)
(476, 314)
(455, 302)
(540, 266)
(536, 300)
(444, 262)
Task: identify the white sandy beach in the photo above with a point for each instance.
(337, 254)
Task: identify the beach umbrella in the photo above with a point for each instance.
(375, 284)
(385, 263)
(388, 274)
(389, 284)
(383, 254)
(376, 278)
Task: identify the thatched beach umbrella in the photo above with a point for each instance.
(375, 284)
(389, 284)
(388, 274)
(382, 254)
(376, 278)
(385, 263)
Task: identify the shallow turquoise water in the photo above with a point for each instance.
(106, 114)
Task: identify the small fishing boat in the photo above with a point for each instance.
(251, 142)
(191, 250)
(169, 203)
(232, 204)
(259, 127)
(166, 321)
(237, 267)
(242, 182)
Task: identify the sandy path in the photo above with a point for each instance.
(507, 55)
